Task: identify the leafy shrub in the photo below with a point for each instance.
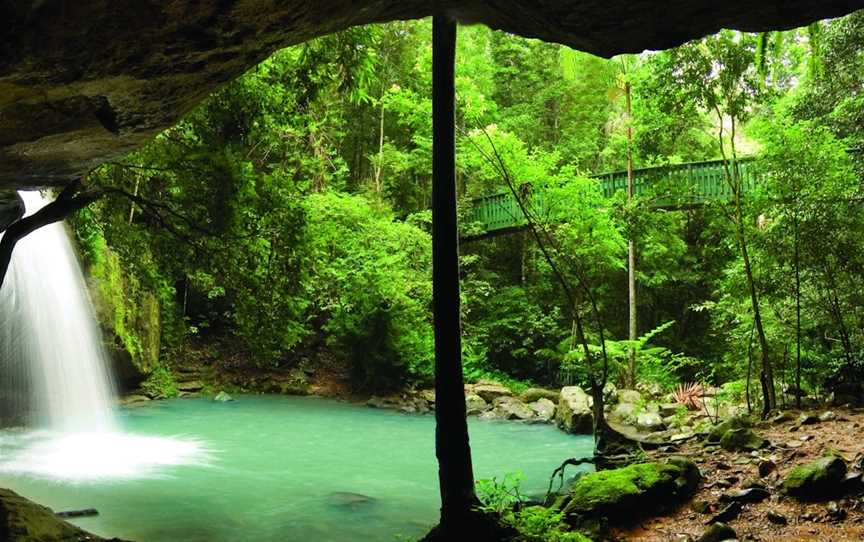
(160, 384)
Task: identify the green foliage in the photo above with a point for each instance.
(290, 210)
(160, 384)
(532, 523)
(498, 497)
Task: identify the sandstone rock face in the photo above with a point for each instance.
(574, 411)
(87, 81)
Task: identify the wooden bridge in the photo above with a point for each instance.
(675, 186)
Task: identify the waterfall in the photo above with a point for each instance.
(55, 376)
(50, 332)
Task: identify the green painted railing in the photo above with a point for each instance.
(672, 186)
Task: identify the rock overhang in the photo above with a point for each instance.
(88, 81)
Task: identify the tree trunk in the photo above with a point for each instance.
(733, 179)
(379, 165)
(455, 474)
(631, 247)
(797, 319)
(767, 376)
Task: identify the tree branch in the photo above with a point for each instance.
(71, 199)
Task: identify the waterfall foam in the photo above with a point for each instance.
(58, 372)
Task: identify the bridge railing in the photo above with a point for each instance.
(673, 186)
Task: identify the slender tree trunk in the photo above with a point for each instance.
(455, 474)
(767, 376)
(134, 193)
(379, 165)
(797, 318)
(736, 184)
(631, 246)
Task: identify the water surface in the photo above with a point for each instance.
(284, 468)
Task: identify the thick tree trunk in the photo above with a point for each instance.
(452, 448)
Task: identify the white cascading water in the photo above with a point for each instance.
(50, 329)
(52, 349)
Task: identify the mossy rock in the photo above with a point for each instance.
(819, 480)
(646, 487)
(24, 521)
(717, 432)
(741, 440)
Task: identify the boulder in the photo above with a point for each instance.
(808, 419)
(649, 422)
(827, 416)
(427, 395)
(738, 440)
(347, 499)
(819, 480)
(223, 397)
(574, 411)
(511, 408)
(671, 409)
(474, 404)
(490, 391)
(624, 412)
(718, 532)
(717, 432)
(191, 386)
(533, 394)
(544, 409)
(749, 495)
(492, 415)
(623, 494)
(629, 396)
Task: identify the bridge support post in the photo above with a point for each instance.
(455, 473)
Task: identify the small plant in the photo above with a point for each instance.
(689, 394)
(499, 497)
(540, 524)
(160, 384)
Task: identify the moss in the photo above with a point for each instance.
(817, 480)
(737, 422)
(25, 521)
(645, 487)
(736, 440)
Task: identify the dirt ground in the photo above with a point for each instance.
(840, 521)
